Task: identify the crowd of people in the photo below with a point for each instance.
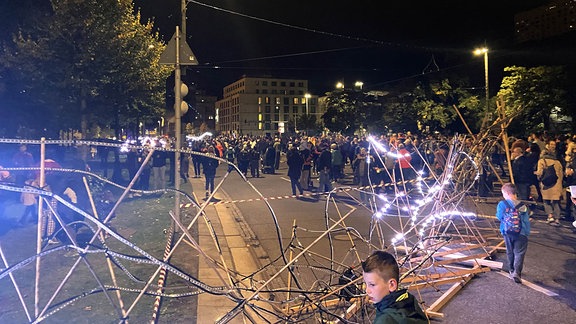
(321, 158)
(21, 208)
(334, 158)
(317, 163)
(330, 160)
(531, 157)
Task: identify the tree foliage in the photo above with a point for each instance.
(88, 62)
(308, 123)
(435, 101)
(533, 93)
(398, 114)
(430, 105)
(342, 108)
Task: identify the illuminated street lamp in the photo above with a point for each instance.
(484, 51)
(359, 84)
(339, 85)
(307, 96)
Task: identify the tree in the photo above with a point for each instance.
(435, 101)
(342, 110)
(308, 123)
(398, 116)
(88, 61)
(533, 93)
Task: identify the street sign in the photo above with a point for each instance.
(168, 57)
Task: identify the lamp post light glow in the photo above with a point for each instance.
(484, 51)
(307, 96)
(339, 85)
(359, 84)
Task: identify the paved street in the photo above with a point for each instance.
(248, 232)
(548, 295)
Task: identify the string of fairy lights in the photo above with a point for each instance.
(406, 205)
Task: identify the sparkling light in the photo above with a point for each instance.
(198, 138)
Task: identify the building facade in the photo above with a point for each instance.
(556, 18)
(203, 112)
(264, 106)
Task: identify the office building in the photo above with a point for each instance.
(554, 19)
(264, 106)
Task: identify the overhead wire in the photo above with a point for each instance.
(375, 44)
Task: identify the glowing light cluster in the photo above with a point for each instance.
(398, 238)
(198, 138)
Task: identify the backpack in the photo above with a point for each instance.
(549, 176)
(511, 219)
(230, 154)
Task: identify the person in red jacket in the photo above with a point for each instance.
(405, 172)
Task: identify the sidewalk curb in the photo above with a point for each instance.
(259, 254)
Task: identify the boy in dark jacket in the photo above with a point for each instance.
(393, 305)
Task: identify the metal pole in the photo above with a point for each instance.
(486, 82)
(178, 128)
(40, 229)
(487, 87)
(183, 19)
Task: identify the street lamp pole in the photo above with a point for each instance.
(307, 96)
(484, 51)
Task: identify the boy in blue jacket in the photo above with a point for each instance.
(516, 243)
(381, 275)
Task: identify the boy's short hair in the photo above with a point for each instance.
(382, 263)
(509, 188)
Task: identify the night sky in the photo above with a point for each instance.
(328, 41)
(375, 41)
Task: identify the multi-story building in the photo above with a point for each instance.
(556, 18)
(203, 112)
(264, 106)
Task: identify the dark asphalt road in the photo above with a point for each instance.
(549, 295)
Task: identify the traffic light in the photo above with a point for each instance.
(183, 104)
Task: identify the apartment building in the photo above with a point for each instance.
(264, 106)
(556, 18)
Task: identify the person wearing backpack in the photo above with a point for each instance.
(515, 228)
(548, 169)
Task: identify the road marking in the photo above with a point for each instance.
(533, 286)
